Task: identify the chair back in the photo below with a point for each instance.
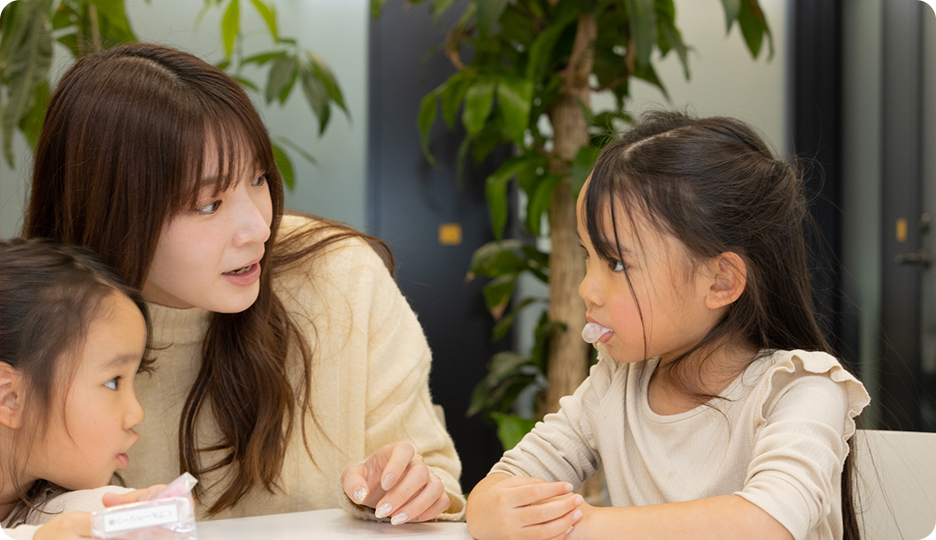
(896, 484)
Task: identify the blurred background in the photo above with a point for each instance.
(844, 90)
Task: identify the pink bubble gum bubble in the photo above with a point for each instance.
(593, 332)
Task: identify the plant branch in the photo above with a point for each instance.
(95, 30)
(452, 41)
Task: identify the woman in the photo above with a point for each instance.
(285, 351)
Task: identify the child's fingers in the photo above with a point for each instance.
(549, 511)
(532, 493)
(556, 529)
(115, 499)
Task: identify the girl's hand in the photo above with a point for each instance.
(139, 495)
(515, 507)
(70, 526)
(397, 483)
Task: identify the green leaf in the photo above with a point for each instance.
(753, 27)
(438, 7)
(511, 428)
(317, 96)
(514, 97)
(497, 294)
(502, 365)
(496, 192)
(453, 95)
(732, 7)
(582, 166)
(284, 165)
(643, 28)
(503, 326)
(324, 74)
(281, 78)
(540, 202)
(296, 148)
(478, 102)
(489, 11)
(262, 58)
(27, 67)
(541, 50)
(674, 38)
(269, 16)
(427, 115)
(230, 26)
(31, 124)
(375, 7)
(496, 258)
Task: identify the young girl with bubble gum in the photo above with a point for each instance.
(716, 408)
(72, 339)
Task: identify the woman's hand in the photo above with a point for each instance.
(139, 495)
(397, 483)
(70, 526)
(503, 507)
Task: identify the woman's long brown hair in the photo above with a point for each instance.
(714, 185)
(122, 151)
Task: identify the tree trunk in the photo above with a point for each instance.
(568, 353)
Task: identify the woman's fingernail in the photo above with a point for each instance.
(579, 500)
(399, 518)
(569, 530)
(387, 482)
(384, 510)
(360, 494)
(577, 515)
(568, 487)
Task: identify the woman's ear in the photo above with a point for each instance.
(11, 383)
(729, 277)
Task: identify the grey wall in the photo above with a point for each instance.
(336, 30)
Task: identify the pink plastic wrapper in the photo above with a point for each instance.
(169, 516)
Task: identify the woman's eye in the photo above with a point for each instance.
(261, 180)
(112, 384)
(618, 266)
(209, 208)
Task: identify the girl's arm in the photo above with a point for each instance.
(504, 507)
(70, 526)
(716, 518)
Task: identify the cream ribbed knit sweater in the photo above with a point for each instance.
(370, 386)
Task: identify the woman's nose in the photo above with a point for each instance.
(254, 219)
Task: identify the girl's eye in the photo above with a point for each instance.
(261, 180)
(617, 266)
(209, 208)
(112, 384)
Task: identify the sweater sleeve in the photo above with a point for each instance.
(88, 500)
(398, 404)
(805, 417)
(563, 447)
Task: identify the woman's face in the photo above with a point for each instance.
(209, 256)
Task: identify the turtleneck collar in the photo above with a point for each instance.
(178, 326)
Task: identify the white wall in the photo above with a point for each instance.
(336, 30)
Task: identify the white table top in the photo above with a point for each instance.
(324, 525)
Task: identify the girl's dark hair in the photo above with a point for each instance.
(123, 150)
(50, 295)
(714, 185)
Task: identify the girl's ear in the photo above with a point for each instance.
(729, 277)
(11, 382)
